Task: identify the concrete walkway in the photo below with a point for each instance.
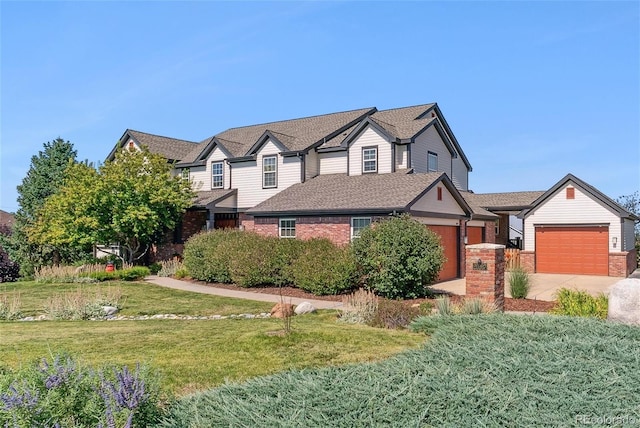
(545, 285)
(236, 294)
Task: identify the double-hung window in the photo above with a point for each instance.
(287, 228)
(369, 159)
(432, 162)
(358, 224)
(185, 173)
(217, 175)
(269, 171)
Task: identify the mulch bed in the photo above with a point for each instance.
(516, 305)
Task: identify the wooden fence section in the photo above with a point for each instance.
(512, 258)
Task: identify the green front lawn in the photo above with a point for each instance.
(138, 298)
(193, 355)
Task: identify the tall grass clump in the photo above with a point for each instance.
(519, 283)
(83, 304)
(59, 392)
(170, 267)
(580, 304)
(10, 309)
(359, 307)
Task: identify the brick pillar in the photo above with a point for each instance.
(485, 272)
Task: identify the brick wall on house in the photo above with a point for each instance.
(246, 222)
(335, 229)
(192, 222)
(528, 261)
(485, 273)
(622, 264)
(267, 226)
(490, 232)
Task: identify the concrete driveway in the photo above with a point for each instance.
(545, 285)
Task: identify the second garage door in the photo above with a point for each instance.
(449, 237)
(582, 250)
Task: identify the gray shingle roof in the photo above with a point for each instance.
(508, 201)
(170, 148)
(334, 193)
(299, 134)
(403, 122)
(204, 198)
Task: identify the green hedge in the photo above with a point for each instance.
(250, 260)
(322, 268)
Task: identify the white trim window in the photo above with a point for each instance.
(185, 173)
(287, 228)
(357, 225)
(432, 162)
(269, 172)
(369, 159)
(217, 175)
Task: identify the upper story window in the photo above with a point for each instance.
(217, 175)
(269, 171)
(185, 173)
(358, 224)
(432, 162)
(571, 193)
(287, 228)
(369, 159)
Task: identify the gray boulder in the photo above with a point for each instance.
(304, 308)
(624, 301)
(109, 310)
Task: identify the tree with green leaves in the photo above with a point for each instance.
(131, 201)
(43, 179)
(631, 203)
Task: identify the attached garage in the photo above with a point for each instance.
(450, 241)
(582, 250)
(475, 235)
(575, 229)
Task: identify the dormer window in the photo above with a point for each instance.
(269, 171)
(217, 175)
(185, 173)
(131, 146)
(369, 159)
(432, 162)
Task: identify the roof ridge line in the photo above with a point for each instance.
(162, 136)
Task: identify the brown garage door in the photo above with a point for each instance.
(582, 250)
(449, 237)
(475, 235)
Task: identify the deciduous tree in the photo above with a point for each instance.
(131, 201)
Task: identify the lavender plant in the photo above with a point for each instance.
(62, 393)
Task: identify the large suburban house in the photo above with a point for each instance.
(332, 175)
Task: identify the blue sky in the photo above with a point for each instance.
(532, 90)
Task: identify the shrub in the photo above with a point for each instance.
(359, 307)
(9, 270)
(252, 259)
(133, 274)
(181, 273)
(323, 268)
(393, 314)
(519, 283)
(202, 258)
(399, 257)
(155, 267)
(467, 306)
(580, 304)
(61, 392)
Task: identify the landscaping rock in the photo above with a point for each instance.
(282, 310)
(304, 308)
(109, 310)
(624, 301)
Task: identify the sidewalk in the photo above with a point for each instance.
(236, 294)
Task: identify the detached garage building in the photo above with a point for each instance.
(575, 229)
